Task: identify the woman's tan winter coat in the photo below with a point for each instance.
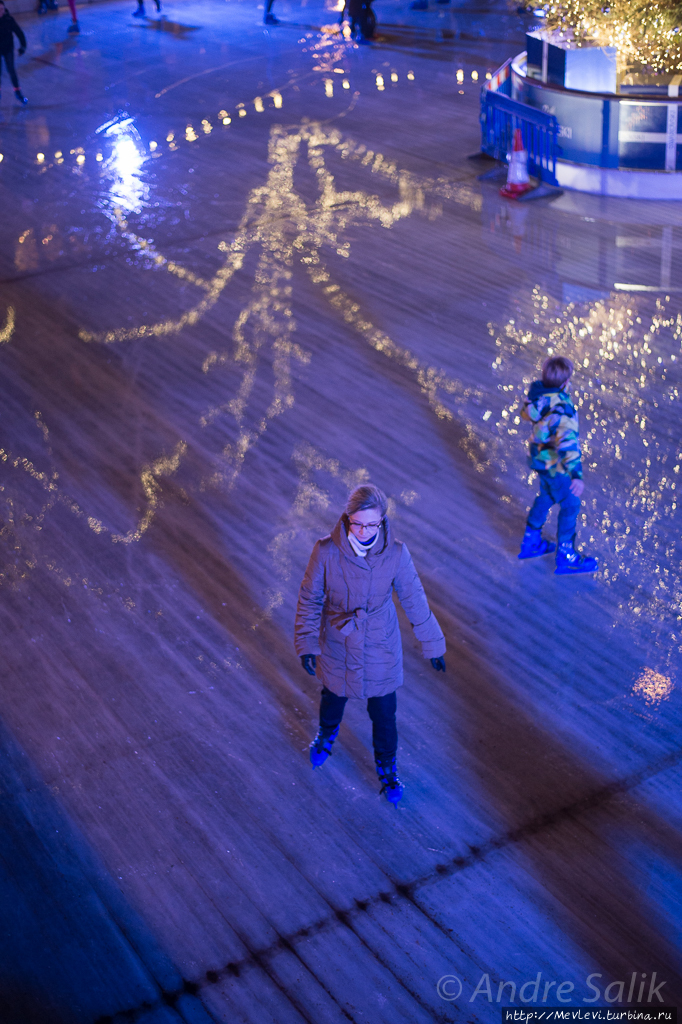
(346, 615)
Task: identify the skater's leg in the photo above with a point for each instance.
(331, 709)
(331, 712)
(541, 506)
(385, 738)
(269, 18)
(533, 543)
(73, 27)
(384, 730)
(570, 562)
(568, 510)
(139, 13)
(11, 70)
(9, 62)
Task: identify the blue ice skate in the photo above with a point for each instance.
(388, 777)
(570, 562)
(534, 544)
(321, 747)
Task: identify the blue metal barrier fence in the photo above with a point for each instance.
(501, 115)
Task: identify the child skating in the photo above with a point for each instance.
(555, 456)
(347, 630)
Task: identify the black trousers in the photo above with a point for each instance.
(380, 709)
(8, 58)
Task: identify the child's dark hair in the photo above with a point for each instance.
(556, 371)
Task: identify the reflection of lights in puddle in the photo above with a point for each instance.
(127, 156)
(126, 161)
(653, 687)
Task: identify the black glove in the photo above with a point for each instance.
(309, 662)
(438, 664)
(22, 51)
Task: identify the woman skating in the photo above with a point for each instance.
(347, 628)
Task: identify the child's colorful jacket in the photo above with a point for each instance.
(554, 441)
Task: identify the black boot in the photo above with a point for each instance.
(534, 544)
(321, 747)
(570, 562)
(388, 777)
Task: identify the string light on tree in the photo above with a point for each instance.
(648, 36)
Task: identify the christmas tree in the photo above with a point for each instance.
(648, 36)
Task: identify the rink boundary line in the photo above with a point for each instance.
(401, 890)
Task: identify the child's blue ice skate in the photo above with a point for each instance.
(534, 544)
(570, 562)
(388, 777)
(321, 747)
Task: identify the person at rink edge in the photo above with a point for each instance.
(8, 30)
(555, 456)
(347, 630)
(141, 13)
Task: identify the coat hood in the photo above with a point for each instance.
(543, 398)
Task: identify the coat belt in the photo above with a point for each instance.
(346, 621)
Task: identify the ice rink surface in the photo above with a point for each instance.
(244, 268)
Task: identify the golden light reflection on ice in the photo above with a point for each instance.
(653, 687)
(318, 225)
(7, 331)
(285, 229)
(162, 467)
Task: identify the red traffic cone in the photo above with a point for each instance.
(518, 180)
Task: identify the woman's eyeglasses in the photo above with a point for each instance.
(364, 526)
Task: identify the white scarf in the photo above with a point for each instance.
(361, 549)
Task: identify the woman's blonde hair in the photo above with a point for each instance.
(366, 496)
